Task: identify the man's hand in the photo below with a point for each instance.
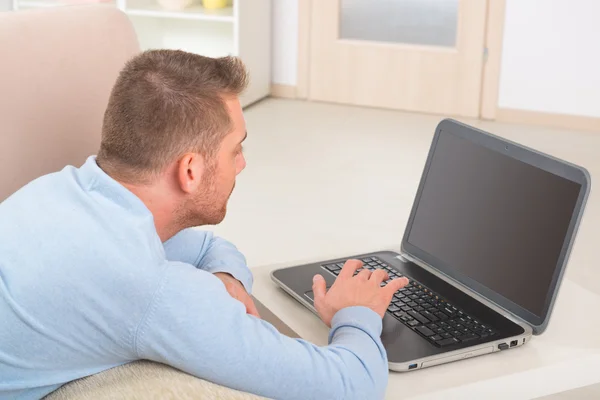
(360, 290)
(237, 291)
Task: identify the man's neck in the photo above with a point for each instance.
(162, 210)
(153, 197)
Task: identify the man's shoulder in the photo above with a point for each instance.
(57, 185)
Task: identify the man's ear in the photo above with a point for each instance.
(190, 169)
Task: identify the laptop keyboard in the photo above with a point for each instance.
(424, 311)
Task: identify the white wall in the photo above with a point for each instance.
(284, 42)
(5, 5)
(551, 57)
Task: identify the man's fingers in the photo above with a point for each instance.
(319, 288)
(379, 276)
(348, 269)
(251, 307)
(364, 275)
(394, 285)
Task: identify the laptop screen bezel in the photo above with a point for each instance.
(537, 159)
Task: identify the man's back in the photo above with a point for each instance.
(70, 259)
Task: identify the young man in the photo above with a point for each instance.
(98, 266)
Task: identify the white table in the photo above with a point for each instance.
(565, 357)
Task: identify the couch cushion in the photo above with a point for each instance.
(58, 67)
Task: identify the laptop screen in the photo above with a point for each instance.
(495, 219)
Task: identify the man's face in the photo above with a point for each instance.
(210, 204)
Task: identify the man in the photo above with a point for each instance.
(98, 266)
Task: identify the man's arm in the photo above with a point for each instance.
(208, 334)
(208, 252)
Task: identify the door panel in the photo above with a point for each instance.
(417, 55)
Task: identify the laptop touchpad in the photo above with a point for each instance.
(310, 294)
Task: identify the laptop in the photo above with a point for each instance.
(485, 249)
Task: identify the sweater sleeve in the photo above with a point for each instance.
(206, 251)
(194, 325)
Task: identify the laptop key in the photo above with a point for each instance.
(413, 322)
(436, 338)
(468, 337)
(446, 335)
(393, 308)
(406, 308)
(419, 309)
(447, 342)
(425, 331)
(413, 304)
(418, 317)
(441, 316)
(430, 316)
(449, 311)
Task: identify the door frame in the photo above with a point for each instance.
(303, 67)
(490, 83)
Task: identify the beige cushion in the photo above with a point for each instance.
(143, 380)
(58, 67)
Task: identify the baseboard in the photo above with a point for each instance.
(283, 91)
(564, 121)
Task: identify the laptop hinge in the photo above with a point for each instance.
(402, 257)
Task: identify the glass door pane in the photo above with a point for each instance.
(421, 22)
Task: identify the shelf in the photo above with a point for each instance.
(151, 8)
(54, 3)
(39, 3)
(210, 38)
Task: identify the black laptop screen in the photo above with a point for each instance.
(495, 219)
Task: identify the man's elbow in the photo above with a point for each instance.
(362, 382)
(372, 387)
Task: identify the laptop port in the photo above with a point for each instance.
(513, 343)
(502, 346)
(412, 366)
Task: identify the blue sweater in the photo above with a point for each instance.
(87, 285)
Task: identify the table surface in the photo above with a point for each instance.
(565, 357)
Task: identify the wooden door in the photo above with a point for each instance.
(416, 55)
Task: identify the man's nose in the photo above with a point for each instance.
(242, 164)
